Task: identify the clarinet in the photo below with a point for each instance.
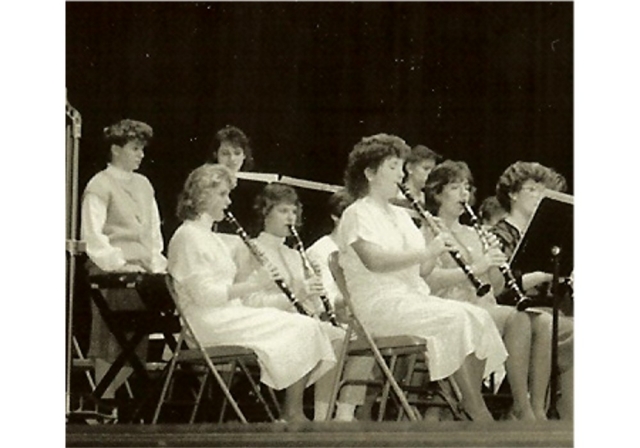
(481, 288)
(308, 267)
(522, 301)
(264, 261)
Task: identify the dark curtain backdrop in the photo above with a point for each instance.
(487, 83)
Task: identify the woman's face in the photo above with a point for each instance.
(217, 200)
(386, 178)
(279, 218)
(128, 156)
(231, 156)
(418, 172)
(452, 196)
(526, 200)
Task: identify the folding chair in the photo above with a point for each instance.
(411, 348)
(202, 361)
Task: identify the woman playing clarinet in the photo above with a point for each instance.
(527, 336)
(277, 209)
(383, 255)
(519, 189)
(293, 350)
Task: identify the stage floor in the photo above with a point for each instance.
(357, 434)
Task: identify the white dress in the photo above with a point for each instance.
(289, 265)
(289, 346)
(400, 302)
(319, 252)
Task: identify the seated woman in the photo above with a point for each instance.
(526, 335)
(293, 351)
(420, 161)
(277, 208)
(519, 189)
(120, 224)
(383, 255)
(490, 212)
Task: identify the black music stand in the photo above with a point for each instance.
(547, 246)
(158, 316)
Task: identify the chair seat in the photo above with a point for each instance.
(219, 353)
(389, 345)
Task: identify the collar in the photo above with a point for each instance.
(205, 220)
(119, 173)
(270, 240)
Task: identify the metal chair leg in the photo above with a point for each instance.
(201, 389)
(256, 389)
(386, 389)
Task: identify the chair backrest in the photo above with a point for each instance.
(187, 335)
(338, 276)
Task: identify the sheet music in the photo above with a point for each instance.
(312, 185)
(287, 180)
(259, 177)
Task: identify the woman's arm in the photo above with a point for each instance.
(99, 249)
(377, 259)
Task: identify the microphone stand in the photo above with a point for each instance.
(552, 413)
(73, 247)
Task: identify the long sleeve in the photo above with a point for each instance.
(158, 260)
(199, 269)
(99, 249)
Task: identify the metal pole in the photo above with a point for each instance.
(72, 246)
(553, 387)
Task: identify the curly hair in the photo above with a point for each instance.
(519, 172)
(128, 130)
(235, 137)
(371, 152)
(271, 195)
(442, 175)
(420, 152)
(194, 195)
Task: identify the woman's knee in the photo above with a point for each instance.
(542, 325)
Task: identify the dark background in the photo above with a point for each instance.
(487, 83)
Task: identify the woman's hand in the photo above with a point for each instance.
(491, 259)
(492, 241)
(313, 286)
(441, 244)
(266, 277)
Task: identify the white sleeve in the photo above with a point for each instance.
(158, 261)
(99, 249)
(195, 271)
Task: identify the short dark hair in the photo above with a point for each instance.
(489, 209)
(193, 196)
(443, 174)
(338, 202)
(127, 130)
(271, 195)
(371, 152)
(234, 136)
(420, 152)
(519, 172)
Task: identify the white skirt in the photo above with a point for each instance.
(453, 330)
(288, 346)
